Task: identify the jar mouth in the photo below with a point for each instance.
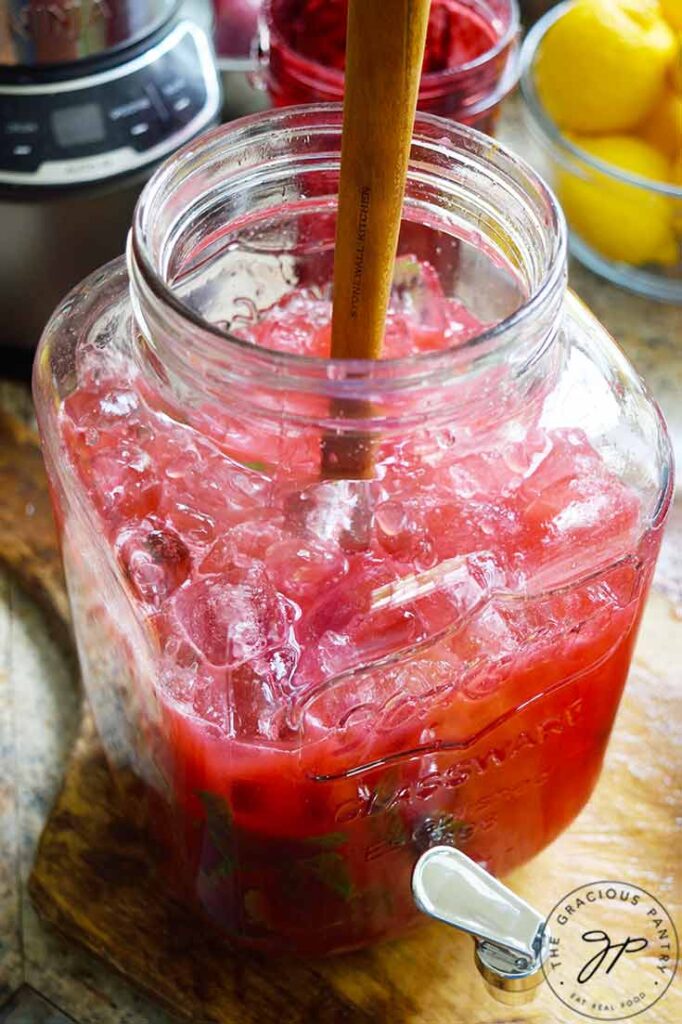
(155, 231)
(432, 82)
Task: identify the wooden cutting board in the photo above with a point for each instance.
(96, 875)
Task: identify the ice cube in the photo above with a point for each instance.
(255, 536)
(248, 700)
(576, 513)
(233, 618)
(417, 295)
(204, 502)
(259, 693)
(485, 648)
(394, 526)
(105, 406)
(209, 701)
(299, 324)
(438, 524)
(154, 559)
(221, 558)
(347, 601)
(253, 702)
(242, 545)
(301, 568)
(198, 527)
(180, 665)
(441, 597)
(397, 337)
(338, 512)
(125, 484)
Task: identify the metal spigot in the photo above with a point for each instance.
(512, 939)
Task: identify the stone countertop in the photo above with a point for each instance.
(43, 979)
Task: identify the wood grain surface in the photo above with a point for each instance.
(28, 544)
(97, 878)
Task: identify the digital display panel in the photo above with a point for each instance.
(78, 126)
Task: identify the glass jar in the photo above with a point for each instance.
(317, 675)
(470, 63)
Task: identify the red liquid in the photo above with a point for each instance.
(473, 699)
(317, 29)
(308, 43)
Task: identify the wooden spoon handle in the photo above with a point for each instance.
(384, 54)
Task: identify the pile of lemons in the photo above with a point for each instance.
(609, 74)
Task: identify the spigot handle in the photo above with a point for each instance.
(512, 940)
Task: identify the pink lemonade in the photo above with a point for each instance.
(338, 674)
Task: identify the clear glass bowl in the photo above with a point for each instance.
(565, 165)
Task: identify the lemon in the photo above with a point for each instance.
(675, 75)
(602, 64)
(677, 203)
(622, 222)
(663, 126)
(672, 12)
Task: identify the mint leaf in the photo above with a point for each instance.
(328, 840)
(220, 830)
(396, 831)
(332, 870)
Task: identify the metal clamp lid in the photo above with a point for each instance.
(512, 940)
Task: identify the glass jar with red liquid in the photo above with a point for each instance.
(470, 63)
(316, 678)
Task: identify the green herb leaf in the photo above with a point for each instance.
(396, 831)
(220, 830)
(332, 870)
(328, 840)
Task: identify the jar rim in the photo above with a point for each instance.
(432, 82)
(548, 292)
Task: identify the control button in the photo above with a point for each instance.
(157, 101)
(142, 135)
(181, 104)
(22, 157)
(135, 106)
(173, 86)
(21, 127)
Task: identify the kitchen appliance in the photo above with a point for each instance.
(92, 95)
